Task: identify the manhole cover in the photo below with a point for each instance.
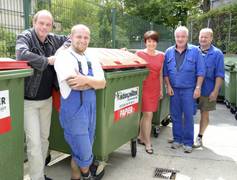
(165, 173)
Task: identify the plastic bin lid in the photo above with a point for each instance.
(7, 63)
(116, 58)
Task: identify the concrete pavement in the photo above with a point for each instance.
(217, 160)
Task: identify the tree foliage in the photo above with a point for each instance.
(166, 12)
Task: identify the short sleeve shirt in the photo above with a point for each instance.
(66, 65)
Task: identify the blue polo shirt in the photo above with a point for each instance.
(192, 66)
(214, 63)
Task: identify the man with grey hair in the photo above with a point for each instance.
(214, 63)
(38, 46)
(79, 75)
(183, 73)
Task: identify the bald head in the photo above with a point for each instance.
(80, 36)
(205, 38)
(207, 30)
(80, 27)
(43, 24)
(43, 13)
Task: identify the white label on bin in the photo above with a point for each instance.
(227, 78)
(126, 102)
(5, 119)
(4, 104)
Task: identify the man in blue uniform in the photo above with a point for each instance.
(214, 61)
(183, 73)
(79, 74)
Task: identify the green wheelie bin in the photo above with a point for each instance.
(118, 105)
(162, 115)
(221, 95)
(235, 69)
(12, 75)
(230, 83)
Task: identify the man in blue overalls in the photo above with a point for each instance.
(214, 61)
(183, 73)
(79, 74)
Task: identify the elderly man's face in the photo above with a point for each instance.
(181, 38)
(205, 39)
(43, 25)
(80, 39)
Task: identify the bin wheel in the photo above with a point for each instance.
(236, 116)
(133, 148)
(165, 122)
(232, 109)
(227, 104)
(48, 159)
(156, 132)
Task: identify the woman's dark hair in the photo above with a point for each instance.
(151, 34)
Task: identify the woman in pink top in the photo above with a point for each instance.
(152, 87)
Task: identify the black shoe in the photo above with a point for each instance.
(47, 178)
(93, 169)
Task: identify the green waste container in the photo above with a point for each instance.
(11, 120)
(118, 105)
(162, 116)
(221, 95)
(230, 83)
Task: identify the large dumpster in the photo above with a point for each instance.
(221, 95)
(230, 83)
(118, 105)
(11, 118)
(162, 116)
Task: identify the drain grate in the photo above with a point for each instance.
(165, 173)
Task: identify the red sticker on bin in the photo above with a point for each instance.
(126, 103)
(5, 118)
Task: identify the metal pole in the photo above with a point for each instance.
(208, 22)
(26, 6)
(151, 26)
(191, 33)
(229, 32)
(113, 11)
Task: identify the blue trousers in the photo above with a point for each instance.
(78, 119)
(182, 107)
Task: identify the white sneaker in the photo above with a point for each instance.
(188, 149)
(198, 142)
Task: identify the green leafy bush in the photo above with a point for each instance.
(223, 21)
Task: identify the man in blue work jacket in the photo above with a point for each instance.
(184, 71)
(214, 61)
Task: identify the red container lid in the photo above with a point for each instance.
(7, 64)
(116, 58)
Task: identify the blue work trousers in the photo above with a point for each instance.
(78, 119)
(182, 107)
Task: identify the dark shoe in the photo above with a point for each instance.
(140, 142)
(76, 179)
(97, 170)
(47, 178)
(149, 150)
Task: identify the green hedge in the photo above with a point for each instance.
(7, 43)
(222, 24)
